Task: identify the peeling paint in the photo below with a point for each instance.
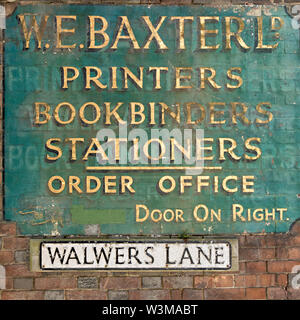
(2, 18)
(255, 12)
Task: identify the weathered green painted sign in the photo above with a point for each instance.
(151, 120)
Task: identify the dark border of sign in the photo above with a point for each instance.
(133, 269)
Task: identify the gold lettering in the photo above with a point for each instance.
(137, 81)
(204, 32)
(179, 77)
(96, 108)
(154, 33)
(73, 146)
(53, 148)
(95, 143)
(229, 150)
(125, 23)
(59, 32)
(135, 113)
(39, 30)
(110, 113)
(241, 114)
(252, 149)
(264, 112)
(260, 44)
(72, 113)
(236, 35)
(157, 72)
(66, 79)
(94, 79)
(235, 78)
(210, 78)
(93, 32)
(181, 21)
(38, 112)
(62, 184)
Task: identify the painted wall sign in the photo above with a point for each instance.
(135, 255)
(151, 120)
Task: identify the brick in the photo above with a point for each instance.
(245, 281)
(293, 241)
(270, 240)
(8, 228)
(248, 254)
(281, 266)
(250, 280)
(256, 293)
(9, 283)
(16, 243)
(223, 281)
(176, 294)
(118, 295)
(150, 1)
(295, 228)
(55, 283)
(85, 295)
(151, 282)
(203, 282)
(6, 257)
(182, 2)
(120, 283)
(132, 1)
(22, 295)
(281, 280)
(276, 294)
(192, 294)
(256, 267)
(267, 253)
(146, 294)
(252, 242)
(266, 280)
(242, 267)
(87, 282)
(224, 294)
(242, 241)
(208, 2)
(293, 294)
(281, 253)
(23, 283)
(21, 256)
(54, 295)
(178, 282)
(20, 269)
(293, 253)
(239, 281)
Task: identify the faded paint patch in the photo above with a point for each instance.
(255, 12)
(97, 216)
(268, 10)
(2, 278)
(2, 18)
(92, 229)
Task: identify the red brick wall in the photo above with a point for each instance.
(265, 271)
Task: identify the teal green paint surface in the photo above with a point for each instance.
(34, 75)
